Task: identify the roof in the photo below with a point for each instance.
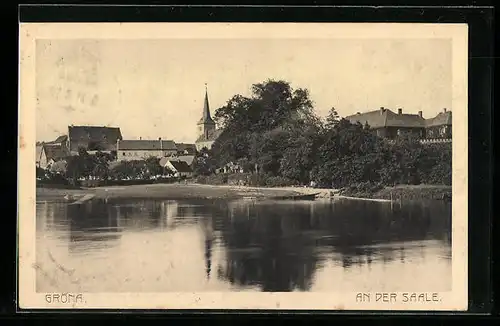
(186, 158)
(190, 148)
(55, 152)
(105, 136)
(212, 136)
(206, 118)
(59, 140)
(146, 145)
(386, 118)
(181, 166)
(443, 118)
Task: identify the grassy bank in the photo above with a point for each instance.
(401, 192)
(418, 192)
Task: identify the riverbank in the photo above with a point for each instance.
(405, 192)
(165, 191)
(415, 192)
(202, 191)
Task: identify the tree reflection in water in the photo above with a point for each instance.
(270, 245)
(92, 224)
(273, 245)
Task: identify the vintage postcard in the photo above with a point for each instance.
(243, 166)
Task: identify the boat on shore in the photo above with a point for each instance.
(297, 197)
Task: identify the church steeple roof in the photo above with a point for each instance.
(206, 118)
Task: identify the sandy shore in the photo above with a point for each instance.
(169, 191)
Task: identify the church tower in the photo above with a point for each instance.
(206, 126)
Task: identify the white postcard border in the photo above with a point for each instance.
(457, 299)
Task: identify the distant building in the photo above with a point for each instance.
(49, 154)
(388, 124)
(185, 149)
(61, 141)
(207, 132)
(133, 150)
(189, 159)
(439, 126)
(93, 138)
(179, 168)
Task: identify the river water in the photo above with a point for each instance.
(217, 245)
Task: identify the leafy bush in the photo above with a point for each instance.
(214, 179)
(362, 189)
(277, 181)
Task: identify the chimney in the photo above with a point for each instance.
(400, 111)
(161, 144)
(140, 138)
(358, 113)
(444, 110)
(382, 110)
(420, 114)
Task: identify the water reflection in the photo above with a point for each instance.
(263, 246)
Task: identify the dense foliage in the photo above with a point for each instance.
(98, 166)
(273, 138)
(275, 134)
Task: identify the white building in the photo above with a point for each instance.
(178, 168)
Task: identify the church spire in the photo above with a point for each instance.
(206, 109)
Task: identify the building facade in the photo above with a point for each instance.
(93, 138)
(179, 168)
(440, 126)
(49, 154)
(388, 124)
(207, 131)
(135, 150)
(185, 149)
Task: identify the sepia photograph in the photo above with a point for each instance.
(243, 166)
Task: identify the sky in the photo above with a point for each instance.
(155, 88)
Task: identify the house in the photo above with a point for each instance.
(179, 168)
(185, 149)
(61, 141)
(207, 132)
(189, 159)
(93, 138)
(439, 126)
(388, 124)
(48, 154)
(133, 150)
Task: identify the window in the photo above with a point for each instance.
(123, 153)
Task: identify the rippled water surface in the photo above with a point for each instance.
(201, 245)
